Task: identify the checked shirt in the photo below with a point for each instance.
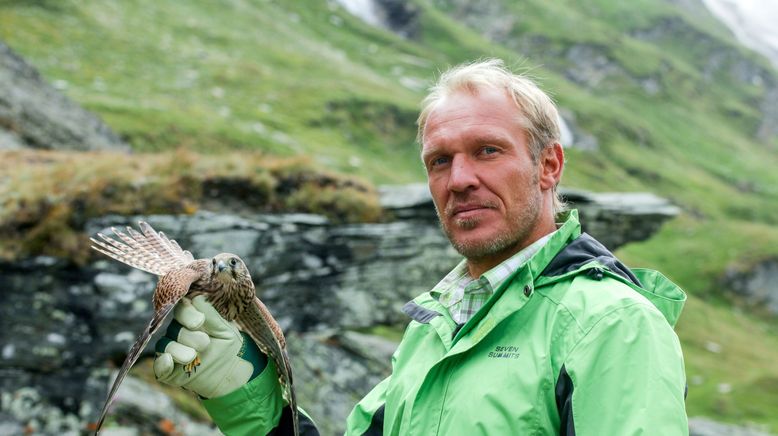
(463, 295)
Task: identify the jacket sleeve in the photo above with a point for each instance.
(367, 417)
(625, 376)
(257, 408)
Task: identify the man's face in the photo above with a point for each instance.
(481, 174)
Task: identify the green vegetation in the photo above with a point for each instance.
(300, 78)
(47, 197)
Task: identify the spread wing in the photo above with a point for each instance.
(170, 289)
(132, 357)
(260, 325)
(150, 251)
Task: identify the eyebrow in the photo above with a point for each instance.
(481, 139)
(426, 153)
(490, 138)
(484, 138)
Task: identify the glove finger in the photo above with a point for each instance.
(179, 352)
(214, 325)
(194, 339)
(191, 338)
(187, 315)
(163, 366)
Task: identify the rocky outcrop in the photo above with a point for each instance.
(616, 218)
(757, 284)
(572, 135)
(752, 26)
(597, 67)
(613, 218)
(491, 19)
(398, 16)
(720, 59)
(699, 426)
(768, 126)
(754, 29)
(34, 114)
(336, 289)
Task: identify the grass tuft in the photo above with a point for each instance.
(47, 197)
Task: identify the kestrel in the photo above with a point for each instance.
(224, 280)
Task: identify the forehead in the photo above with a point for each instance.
(486, 112)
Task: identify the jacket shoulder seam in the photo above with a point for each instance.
(565, 308)
(631, 297)
(606, 315)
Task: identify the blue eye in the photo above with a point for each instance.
(489, 150)
(439, 161)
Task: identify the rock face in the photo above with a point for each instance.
(612, 218)
(572, 135)
(336, 290)
(596, 66)
(618, 218)
(758, 284)
(34, 114)
(706, 427)
(398, 16)
(750, 23)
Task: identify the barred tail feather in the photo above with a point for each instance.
(142, 249)
(148, 251)
(175, 249)
(132, 256)
(121, 258)
(118, 251)
(159, 242)
(145, 245)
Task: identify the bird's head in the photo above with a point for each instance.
(229, 268)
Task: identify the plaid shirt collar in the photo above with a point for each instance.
(463, 295)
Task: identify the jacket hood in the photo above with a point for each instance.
(586, 254)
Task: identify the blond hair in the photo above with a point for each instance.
(540, 118)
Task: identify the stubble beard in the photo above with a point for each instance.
(520, 225)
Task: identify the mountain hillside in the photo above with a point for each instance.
(656, 95)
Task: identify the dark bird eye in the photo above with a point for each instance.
(233, 261)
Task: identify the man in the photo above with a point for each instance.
(539, 330)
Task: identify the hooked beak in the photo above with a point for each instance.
(221, 266)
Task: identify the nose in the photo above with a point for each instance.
(463, 174)
(221, 266)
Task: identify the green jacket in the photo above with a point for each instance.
(574, 343)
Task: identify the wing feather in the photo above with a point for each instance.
(132, 357)
(161, 245)
(130, 255)
(260, 325)
(177, 248)
(148, 251)
(171, 288)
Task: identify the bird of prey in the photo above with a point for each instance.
(224, 280)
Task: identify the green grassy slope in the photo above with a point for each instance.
(300, 77)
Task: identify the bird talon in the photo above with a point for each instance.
(191, 367)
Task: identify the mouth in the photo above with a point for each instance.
(468, 209)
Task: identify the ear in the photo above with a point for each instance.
(552, 161)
